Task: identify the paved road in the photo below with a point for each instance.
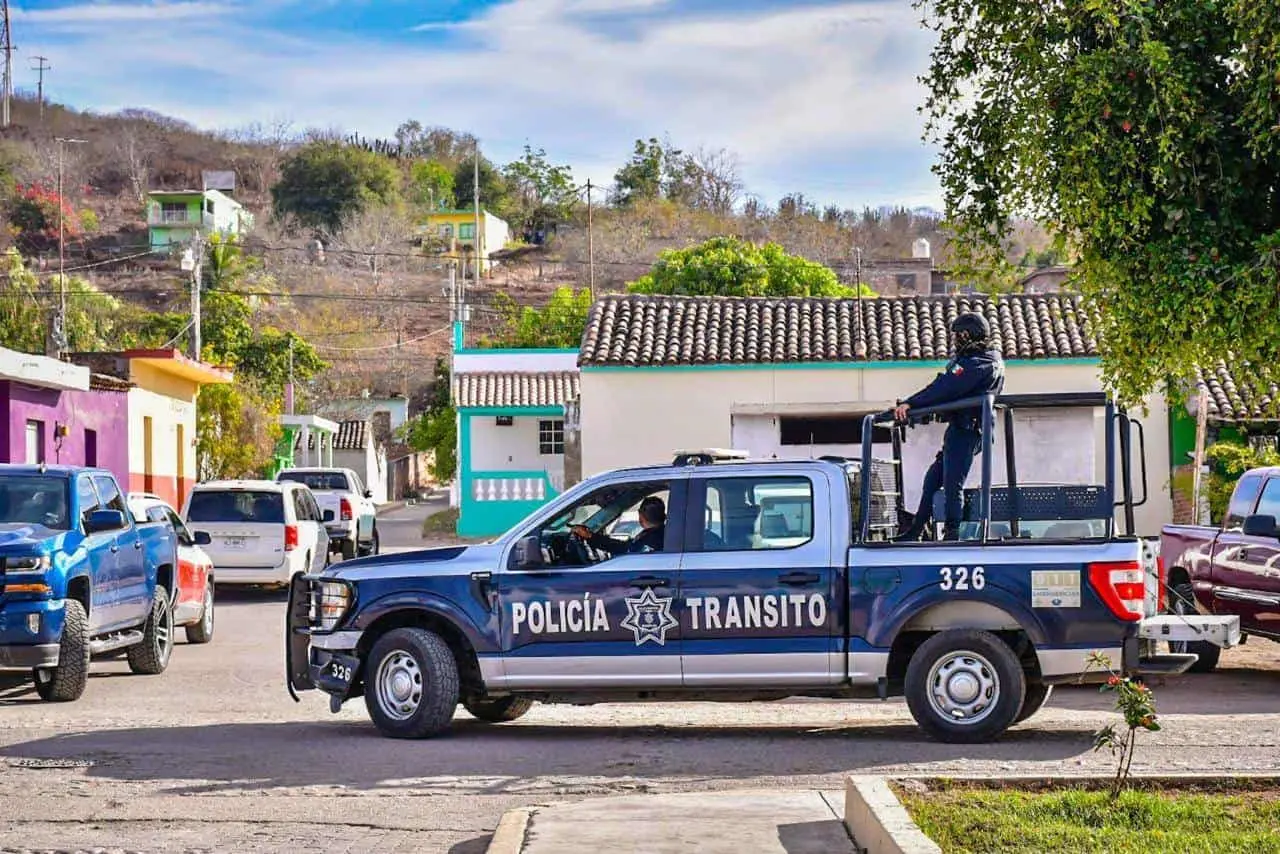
(401, 529)
(214, 756)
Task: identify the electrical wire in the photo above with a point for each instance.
(394, 346)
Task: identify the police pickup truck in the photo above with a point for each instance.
(775, 579)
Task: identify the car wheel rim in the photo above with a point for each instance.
(206, 619)
(164, 630)
(399, 685)
(963, 687)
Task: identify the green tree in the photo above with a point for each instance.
(431, 185)
(647, 175)
(325, 182)
(1227, 462)
(95, 320)
(435, 431)
(1143, 133)
(729, 266)
(542, 194)
(559, 323)
(494, 194)
(237, 429)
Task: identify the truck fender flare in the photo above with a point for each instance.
(992, 608)
(436, 606)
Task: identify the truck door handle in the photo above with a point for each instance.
(799, 579)
(650, 581)
(137, 544)
(114, 548)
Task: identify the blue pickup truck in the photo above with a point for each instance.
(770, 579)
(79, 577)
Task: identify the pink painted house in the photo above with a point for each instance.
(55, 412)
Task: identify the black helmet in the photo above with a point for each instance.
(972, 325)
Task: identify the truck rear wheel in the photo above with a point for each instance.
(348, 548)
(1037, 695)
(965, 686)
(152, 655)
(499, 711)
(1207, 654)
(411, 684)
(67, 681)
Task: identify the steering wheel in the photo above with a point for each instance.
(577, 550)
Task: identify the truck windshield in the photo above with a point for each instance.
(241, 505)
(34, 500)
(320, 481)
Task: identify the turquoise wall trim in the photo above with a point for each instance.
(457, 337)
(818, 366)
(484, 351)
(491, 518)
(511, 410)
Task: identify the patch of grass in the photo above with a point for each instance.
(441, 524)
(1072, 821)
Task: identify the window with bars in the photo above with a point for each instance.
(551, 436)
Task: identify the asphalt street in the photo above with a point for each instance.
(213, 755)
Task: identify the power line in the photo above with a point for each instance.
(394, 346)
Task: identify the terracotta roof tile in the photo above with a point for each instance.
(636, 330)
(515, 389)
(351, 436)
(1235, 394)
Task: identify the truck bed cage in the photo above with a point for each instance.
(1013, 503)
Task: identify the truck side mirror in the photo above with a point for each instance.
(527, 554)
(368, 493)
(202, 538)
(104, 520)
(328, 516)
(1260, 526)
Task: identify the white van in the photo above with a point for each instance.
(262, 531)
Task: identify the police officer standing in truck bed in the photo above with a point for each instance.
(976, 369)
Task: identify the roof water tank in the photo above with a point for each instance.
(920, 248)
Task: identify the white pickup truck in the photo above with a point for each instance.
(350, 516)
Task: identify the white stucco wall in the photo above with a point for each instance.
(639, 417)
(513, 448)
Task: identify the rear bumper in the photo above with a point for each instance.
(254, 574)
(27, 657)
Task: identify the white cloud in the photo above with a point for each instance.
(582, 78)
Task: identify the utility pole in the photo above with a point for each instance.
(7, 35)
(62, 277)
(475, 200)
(288, 392)
(41, 67)
(192, 262)
(860, 345)
(591, 245)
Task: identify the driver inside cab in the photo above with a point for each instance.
(653, 524)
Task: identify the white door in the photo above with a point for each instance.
(35, 443)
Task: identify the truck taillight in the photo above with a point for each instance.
(1162, 579)
(345, 510)
(1120, 587)
(290, 537)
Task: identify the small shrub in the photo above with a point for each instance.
(1137, 704)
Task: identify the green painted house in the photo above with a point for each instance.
(175, 216)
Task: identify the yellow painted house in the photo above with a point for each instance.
(456, 231)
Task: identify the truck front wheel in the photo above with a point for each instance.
(1207, 654)
(66, 682)
(965, 686)
(152, 655)
(411, 684)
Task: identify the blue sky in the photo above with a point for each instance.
(813, 96)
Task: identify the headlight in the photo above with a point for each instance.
(26, 565)
(329, 603)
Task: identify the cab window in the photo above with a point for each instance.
(1242, 501)
(612, 517)
(755, 513)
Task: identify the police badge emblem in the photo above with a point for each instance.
(649, 617)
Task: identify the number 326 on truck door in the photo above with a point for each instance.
(962, 578)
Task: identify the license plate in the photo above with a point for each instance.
(233, 542)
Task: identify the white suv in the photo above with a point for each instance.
(262, 531)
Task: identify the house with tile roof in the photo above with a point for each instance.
(512, 439)
(354, 446)
(793, 377)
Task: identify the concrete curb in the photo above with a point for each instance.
(878, 822)
(510, 834)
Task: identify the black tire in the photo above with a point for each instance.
(373, 547)
(348, 548)
(152, 655)
(1037, 695)
(1183, 601)
(500, 711)
(67, 681)
(992, 670)
(429, 682)
(202, 632)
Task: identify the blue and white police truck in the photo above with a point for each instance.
(775, 579)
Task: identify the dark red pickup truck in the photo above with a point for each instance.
(1234, 569)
